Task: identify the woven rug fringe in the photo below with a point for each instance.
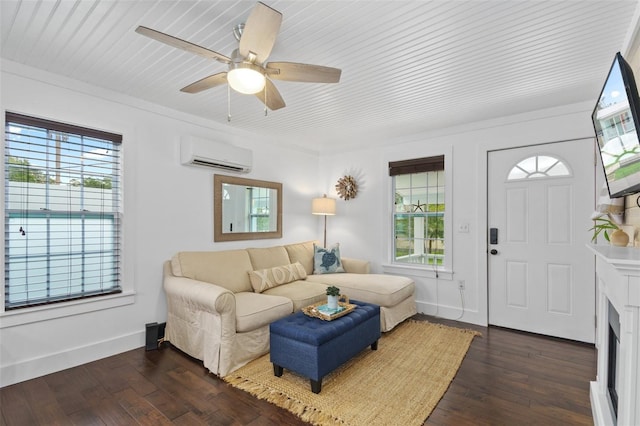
(464, 330)
(306, 413)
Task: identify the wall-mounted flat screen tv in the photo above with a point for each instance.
(615, 120)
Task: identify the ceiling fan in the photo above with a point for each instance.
(248, 72)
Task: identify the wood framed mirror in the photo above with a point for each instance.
(246, 209)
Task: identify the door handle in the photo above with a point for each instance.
(494, 252)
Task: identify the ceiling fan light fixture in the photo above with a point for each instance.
(247, 66)
(246, 78)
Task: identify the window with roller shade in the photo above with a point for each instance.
(419, 211)
(62, 212)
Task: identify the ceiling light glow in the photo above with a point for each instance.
(245, 79)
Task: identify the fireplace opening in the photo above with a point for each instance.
(614, 354)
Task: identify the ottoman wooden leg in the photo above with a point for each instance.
(316, 385)
(374, 346)
(277, 370)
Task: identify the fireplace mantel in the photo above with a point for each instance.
(618, 273)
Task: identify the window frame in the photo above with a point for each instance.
(539, 172)
(254, 215)
(445, 270)
(32, 311)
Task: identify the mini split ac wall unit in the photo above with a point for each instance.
(207, 153)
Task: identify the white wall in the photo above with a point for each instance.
(167, 207)
(363, 225)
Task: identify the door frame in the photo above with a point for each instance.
(540, 285)
(482, 223)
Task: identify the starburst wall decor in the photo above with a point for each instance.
(347, 187)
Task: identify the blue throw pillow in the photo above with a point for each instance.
(327, 261)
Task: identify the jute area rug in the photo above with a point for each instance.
(399, 384)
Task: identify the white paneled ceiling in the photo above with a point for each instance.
(407, 66)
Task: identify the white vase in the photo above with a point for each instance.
(332, 302)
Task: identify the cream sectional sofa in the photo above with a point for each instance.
(215, 314)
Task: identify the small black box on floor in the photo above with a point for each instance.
(154, 335)
(161, 328)
(152, 329)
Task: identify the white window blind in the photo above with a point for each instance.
(62, 212)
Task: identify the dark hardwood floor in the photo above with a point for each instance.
(515, 378)
(507, 378)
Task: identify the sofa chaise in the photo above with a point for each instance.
(220, 303)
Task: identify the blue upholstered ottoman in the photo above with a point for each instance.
(313, 348)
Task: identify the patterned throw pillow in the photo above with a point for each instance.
(265, 279)
(327, 261)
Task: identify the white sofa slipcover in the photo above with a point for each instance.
(213, 313)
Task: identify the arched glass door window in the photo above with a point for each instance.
(539, 166)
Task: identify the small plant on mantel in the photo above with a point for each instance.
(604, 226)
(333, 291)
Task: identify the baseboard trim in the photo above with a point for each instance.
(451, 312)
(600, 407)
(51, 363)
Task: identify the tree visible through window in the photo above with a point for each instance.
(62, 221)
(419, 209)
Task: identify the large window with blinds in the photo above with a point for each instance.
(419, 211)
(62, 212)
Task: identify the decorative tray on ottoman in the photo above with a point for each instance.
(322, 311)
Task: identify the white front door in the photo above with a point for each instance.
(541, 275)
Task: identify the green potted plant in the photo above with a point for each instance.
(333, 293)
(611, 231)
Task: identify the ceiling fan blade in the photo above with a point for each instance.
(260, 32)
(305, 73)
(182, 44)
(274, 99)
(206, 83)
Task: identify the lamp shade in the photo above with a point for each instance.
(323, 206)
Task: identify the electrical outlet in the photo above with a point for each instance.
(461, 284)
(463, 227)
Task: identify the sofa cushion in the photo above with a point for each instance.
(380, 289)
(270, 257)
(227, 268)
(301, 293)
(265, 279)
(356, 266)
(255, 310)
(303, 253)
(327, 260)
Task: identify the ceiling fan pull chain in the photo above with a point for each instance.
(228, 104)
(265, 100)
